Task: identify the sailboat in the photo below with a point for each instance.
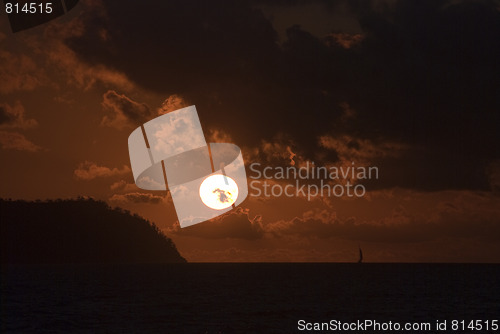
(360, 255)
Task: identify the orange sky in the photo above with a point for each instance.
(66, 115)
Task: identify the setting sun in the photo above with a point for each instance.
(218, 192)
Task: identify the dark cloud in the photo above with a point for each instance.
(493, 172)
(346, 40)
(137, 198)
(18, 73)
(463, 218)
(236, 224)
(17, 141)
(90, 170)
(122, 111)
(14, 117)
(424, 74)
(123, 186)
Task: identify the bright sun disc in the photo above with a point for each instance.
(218, 192)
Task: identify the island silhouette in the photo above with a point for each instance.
(79, 230)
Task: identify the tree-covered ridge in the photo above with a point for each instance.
(79, 231)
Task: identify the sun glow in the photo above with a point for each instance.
(218, 192)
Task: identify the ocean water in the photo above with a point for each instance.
(242, 298)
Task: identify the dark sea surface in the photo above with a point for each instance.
(242, 298)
